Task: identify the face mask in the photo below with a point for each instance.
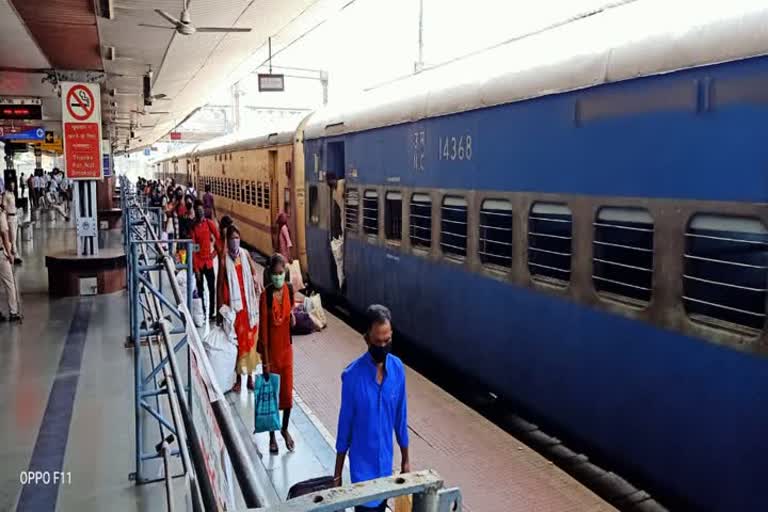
(379, 353)
(234, 247)
(278, 280)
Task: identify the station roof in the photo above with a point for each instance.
(610, 47)
(104, 40)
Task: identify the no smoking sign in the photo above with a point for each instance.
(81, 116)
(80, 102)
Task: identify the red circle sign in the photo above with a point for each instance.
(80, 102)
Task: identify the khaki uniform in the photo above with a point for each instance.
(7, 282)
(9, 201)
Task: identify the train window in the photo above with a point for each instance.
(623, 254)
(454, 226)
(550, 227)
(314, 216)
(421, 220)
(240, 191)
(393, 216)
(266, 195)
(253, 193)
(247, 192)
(726, 271)
(371, 212)
(352, 207)
(496, 233)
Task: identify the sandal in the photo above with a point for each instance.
(273, 448)
(288, 440)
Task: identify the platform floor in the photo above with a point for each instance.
(66, 403)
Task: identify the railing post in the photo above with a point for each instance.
(426, 501)
(137, 372)
(190, 276)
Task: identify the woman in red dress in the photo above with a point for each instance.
(276, 319)
(239, 289)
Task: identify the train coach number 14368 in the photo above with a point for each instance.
(455, 148)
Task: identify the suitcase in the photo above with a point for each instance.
(309, 486)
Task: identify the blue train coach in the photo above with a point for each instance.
(579, 219)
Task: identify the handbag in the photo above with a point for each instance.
(266, 393)
(267, 415)
(318, 484)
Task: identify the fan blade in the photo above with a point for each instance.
(156, 26)
(156, 113)
(159, 96)
(167, 16)
(221, 29)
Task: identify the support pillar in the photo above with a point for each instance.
(86, 218)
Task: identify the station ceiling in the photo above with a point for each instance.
(41, 40)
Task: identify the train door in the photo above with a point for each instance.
(272, 198)
(334, 178)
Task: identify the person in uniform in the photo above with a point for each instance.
(7, 280)
(9, 203)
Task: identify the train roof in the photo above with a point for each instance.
(184, 152)
(239, 142)
(629, 41)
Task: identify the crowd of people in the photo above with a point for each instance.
(374, 402)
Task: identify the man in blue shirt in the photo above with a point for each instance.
(373, 405)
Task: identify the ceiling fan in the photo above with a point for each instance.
(184, 25)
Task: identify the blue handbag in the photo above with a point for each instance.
(267, 414)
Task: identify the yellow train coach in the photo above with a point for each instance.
(253, 180)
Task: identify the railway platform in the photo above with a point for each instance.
(67, 407)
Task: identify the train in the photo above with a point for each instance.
(583, 229)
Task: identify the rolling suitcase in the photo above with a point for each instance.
(309, 486)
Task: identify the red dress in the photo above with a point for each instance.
(276, 324)
(246, 336)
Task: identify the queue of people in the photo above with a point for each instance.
(373, 388)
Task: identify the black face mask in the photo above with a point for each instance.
(379, 353)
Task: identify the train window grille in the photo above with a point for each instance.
(314, 216)
(371, 212)
(550, 230)
(253, 193)
(495, 240)
(622, 263)
(393, 216)
(352, 207)
(421, 220)
(453, 232)
(726, 272)
(241, 191)
(259, 195)
(266, 196)
(247, 192)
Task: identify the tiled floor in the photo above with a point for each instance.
(494, 470)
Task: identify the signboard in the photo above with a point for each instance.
(35, 134)
(21, 108)
(54, 147)
(81, 116)
(175, 135)
(270, 83)
(106, 155)
(217, 462)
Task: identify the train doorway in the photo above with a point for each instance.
(273, 205)
(335, 174)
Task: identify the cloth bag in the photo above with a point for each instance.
(220, 346)
(267, 414)
(198, 313)
(403, 503)
(313, 305)
(294, 269)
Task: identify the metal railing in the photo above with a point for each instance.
(182, 401)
